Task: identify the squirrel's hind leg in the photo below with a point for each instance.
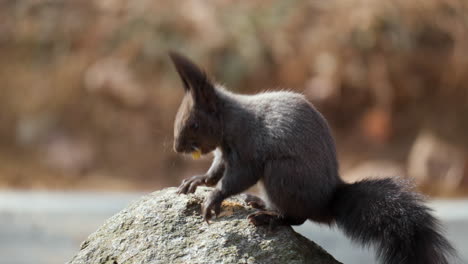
(273, 219)
(267, 217)
(254, 201)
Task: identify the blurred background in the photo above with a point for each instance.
(88, 98)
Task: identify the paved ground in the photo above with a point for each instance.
(40, 228)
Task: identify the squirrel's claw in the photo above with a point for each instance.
(207, 216)
(212, 206)
(190, 185)
(211, 211)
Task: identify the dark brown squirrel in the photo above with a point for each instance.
(279, 140)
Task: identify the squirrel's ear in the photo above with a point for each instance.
(195, 80)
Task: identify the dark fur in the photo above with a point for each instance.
(280, 140)
(198, 122)
(385, 213)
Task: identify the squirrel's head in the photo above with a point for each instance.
(198, 123)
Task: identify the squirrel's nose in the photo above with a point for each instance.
(182, 146)
(177, 146)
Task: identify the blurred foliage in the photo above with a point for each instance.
(87, 91)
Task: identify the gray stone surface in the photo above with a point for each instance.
(164, 227)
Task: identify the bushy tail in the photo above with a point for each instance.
(386, 214)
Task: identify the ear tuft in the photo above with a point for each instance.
(190, 74)
(195, 80)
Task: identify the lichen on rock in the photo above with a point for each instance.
(164, 227)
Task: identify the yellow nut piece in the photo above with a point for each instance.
(196, 154)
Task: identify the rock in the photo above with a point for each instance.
(164, 227)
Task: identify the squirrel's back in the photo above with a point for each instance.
(281, 121)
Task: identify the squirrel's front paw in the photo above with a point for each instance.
(190, 185)
(212, 205)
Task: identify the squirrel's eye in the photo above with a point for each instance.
(194, 126)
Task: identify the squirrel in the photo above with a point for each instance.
(279, 140)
